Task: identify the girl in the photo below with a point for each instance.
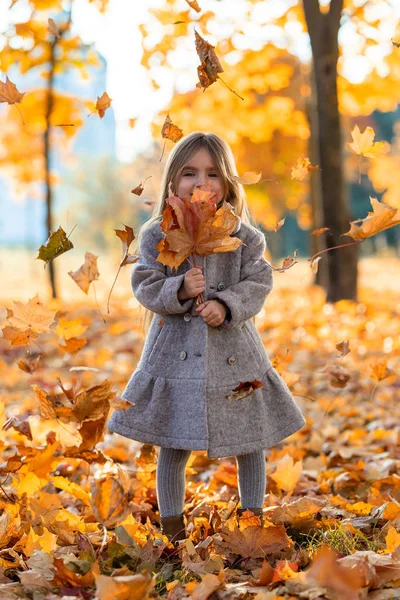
(195, 355)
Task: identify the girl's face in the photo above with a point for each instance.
(199, 171)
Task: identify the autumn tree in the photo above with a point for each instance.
(328, 90)
(47, 117)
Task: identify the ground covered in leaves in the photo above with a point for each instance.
(78, 507)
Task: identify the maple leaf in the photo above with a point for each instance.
(57, 244)
(380, 370)
(210, 65)
(302, 167)
(343, 348)
(19, 425)
(171, 131)
(71, 329)
(244, 389)
(287, 473)
(195, 226)
(248, 178)
(382, 217)
(103, 103)
(288, 263)
(9, 92)
(86, 273)
(32, 316)
(253, 541)
(320, 231)
(363, 145)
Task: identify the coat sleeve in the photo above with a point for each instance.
(151, 285)
(246, 298)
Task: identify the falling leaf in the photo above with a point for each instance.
(314, 264)
(343, 348)
(302, 167)
(194, 4)
(195, 226)
(103, 103)
(279, 225)
(52, 27)
(32, 316)
(210, 65)
(9, 92)
(338, 375)
(320, 231)
(379, 370)
(30, 365)
(288, 263)
(244, 389)
(57, 244)
(86, 273)
(171, 131)
(382, 217)
(126, 238)
(396, 44)
(132, 122)
(139, 189)
(248, 178)
(363, 145)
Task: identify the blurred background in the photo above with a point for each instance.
(61, 164)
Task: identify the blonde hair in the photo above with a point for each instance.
(180, 155)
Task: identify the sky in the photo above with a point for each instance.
(117, 38)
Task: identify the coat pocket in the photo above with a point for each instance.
(159, 343)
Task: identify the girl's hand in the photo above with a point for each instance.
(213, 312)
(193, 284)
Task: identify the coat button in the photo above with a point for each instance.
(187, 317)
(183, 355)
(220, 286)
(232, 360)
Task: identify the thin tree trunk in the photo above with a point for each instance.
(47, 161)
(47, 143)
(323, 29)
(317, 242)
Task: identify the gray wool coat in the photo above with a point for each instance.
(187, 368)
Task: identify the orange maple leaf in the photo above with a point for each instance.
(171, 131)
(196, 226)
(382, 217)
(9, 92)
(86, 273)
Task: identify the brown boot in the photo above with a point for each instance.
(174, 528)
(256, 511)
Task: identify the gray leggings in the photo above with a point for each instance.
(170, 479)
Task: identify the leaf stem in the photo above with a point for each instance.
(334, 248)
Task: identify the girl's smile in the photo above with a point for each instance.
(200, 171)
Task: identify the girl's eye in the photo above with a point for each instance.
(188, 174)
(213, 175)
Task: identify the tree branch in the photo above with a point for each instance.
(312, 14)
(335, 11)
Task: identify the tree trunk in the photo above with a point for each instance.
(47, 160)
(323, 29)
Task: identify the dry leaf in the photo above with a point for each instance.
(57, 244)
(244, 389)
(210, 65)
(52, 27)
(248, 178)
(103, 103)
(302, 168)
(86, 273)
(279, 225)
(194, 4)
(382, 217)
(171, 131)
(32, 316)
(196, 226)
(9, 92)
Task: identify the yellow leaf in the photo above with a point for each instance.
(70, 329)
(32, 315)
(72, 488)
(248, 178)
(363, 143)
(383, 217)
(392, 539)
(287, 473)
